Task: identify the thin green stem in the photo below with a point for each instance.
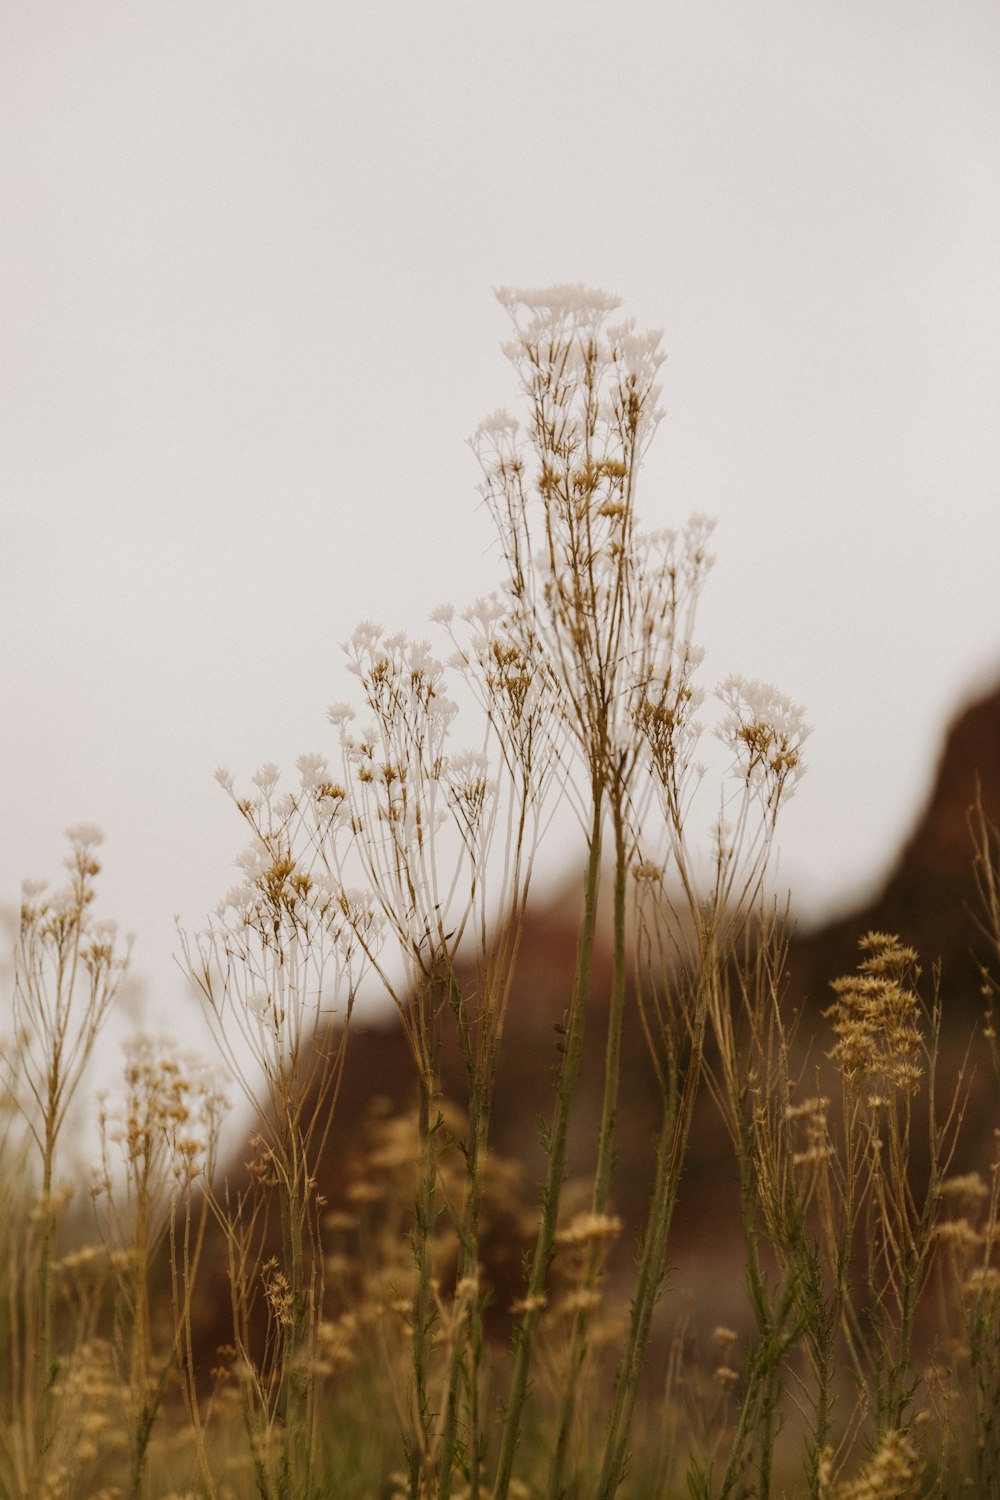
(545, 1246)
(671, 1150)
(605, 1163)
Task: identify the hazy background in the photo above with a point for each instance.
(246, 261)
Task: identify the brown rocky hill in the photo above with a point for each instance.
(929, 900)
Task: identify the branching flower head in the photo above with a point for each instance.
(562, 495)
(68, 968)
(876, 1018)
(280, 957)
(162, 1134)
(892, 1473)
(765, 731)
(494, 654)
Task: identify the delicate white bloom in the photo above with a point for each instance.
(485, 612)
(765, 729)
(441, 711)
(339, 714)
(258, 1005)
(63, 900)
(697, 558)
(105, 930)
(254, 859)
(443, 614)
(285, 806)
(225, 778)
(568, 299)
(635, 350)
(238, 898)
(312, 768)
(267, 776)
(354, 899)
(468, 764)
(754, 702)
(360, 749)
(85, 835)
(698, 527)
(421, 660)
(498, 425)
(467, 774)
(469, 786)
(32, 888)
(362, 915)
(366, 635)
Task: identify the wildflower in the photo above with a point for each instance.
(278, 1293)
(85, 835)
(766, 731)
(983, 1281)
(812, 1156)
(892, 1473)
(469, 787)
(499, 424)
(959, 1234)
(561, 301)
(312, 769)
(82, 1259)
(366, 635)
(529, 1305)
(581, 1299)
(968, 1190)
(266, 777)
(339, 714)
(338, 1222)
(485, 612)
(589, 1226)
(258, 1005)
(876, 1016)
(807, 1109)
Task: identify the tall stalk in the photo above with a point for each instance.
(670, 1153)
(422, 1303)
(603, 1169)
(46, 1368)
(534, 1300)
(67, 972)
(294, 1391)
(466, 1353)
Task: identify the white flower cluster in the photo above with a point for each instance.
(85, 835)
(765, 730)
(166, 1126)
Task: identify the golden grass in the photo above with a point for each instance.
(364, 1355)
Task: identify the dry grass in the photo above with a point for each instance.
(365, 1353)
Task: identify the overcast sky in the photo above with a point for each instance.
(247, 254)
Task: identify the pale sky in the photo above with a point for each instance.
(246, 266)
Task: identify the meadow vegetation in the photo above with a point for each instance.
(366, 1355)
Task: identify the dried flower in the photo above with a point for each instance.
(876, 1016)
